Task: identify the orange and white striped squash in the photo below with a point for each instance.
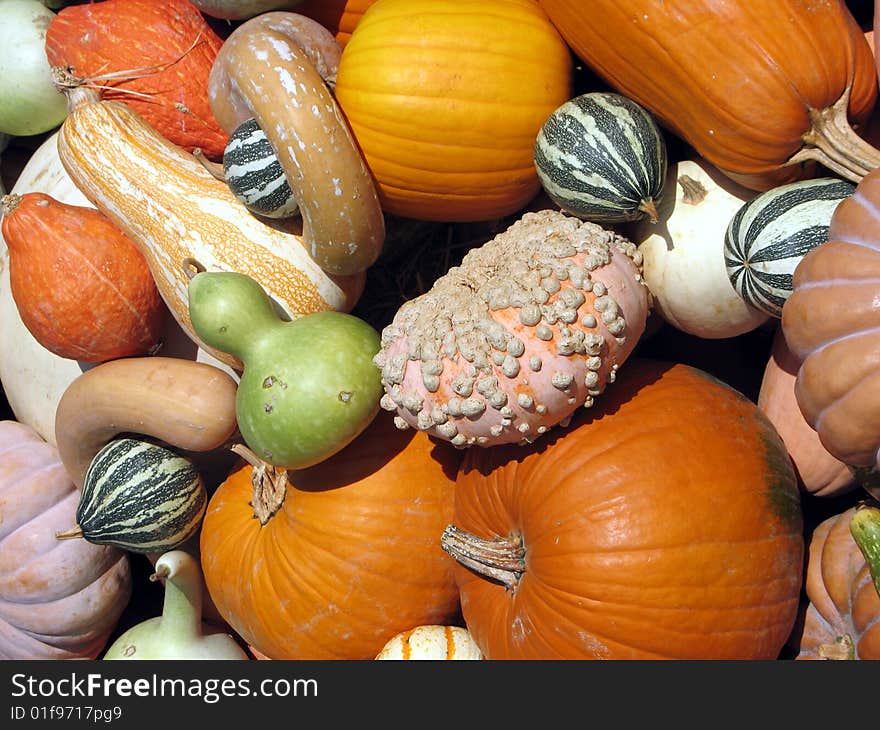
(174, 209)
(431, 642)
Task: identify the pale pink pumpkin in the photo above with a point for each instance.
(58, 599)
(531, 325)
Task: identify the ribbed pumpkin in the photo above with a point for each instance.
(771, 233)
(753, 87)
(665, 524)
(842, 619)
(445, 98)
(832, 325)
(340, 17)
(57, 600)
(158, 54)
(343, 556)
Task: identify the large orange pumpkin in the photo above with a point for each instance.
(666, 524)
(340, 17)
(753, 86)
(345, 557)
(446, 97)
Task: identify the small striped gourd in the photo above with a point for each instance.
(770, 234)
(254, 174)
(601, 157)
(139, 496)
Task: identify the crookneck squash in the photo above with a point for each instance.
(666, 523)
(757, 88)
(333, 561)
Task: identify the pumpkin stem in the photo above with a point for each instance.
(841, 650)
(9, 203)
(693, 191)
(833, 142)
(71, 534)
(865, 529)
(269, 483)
(501, 558)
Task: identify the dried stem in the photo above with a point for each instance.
(501, 559)
(269, 484)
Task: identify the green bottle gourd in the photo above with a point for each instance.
(308, 386)
(179, 632)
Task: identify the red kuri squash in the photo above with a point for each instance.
(161, 52)
(665, 524)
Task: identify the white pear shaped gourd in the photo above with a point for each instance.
(683, 254)
(179, 632)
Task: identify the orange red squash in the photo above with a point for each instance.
(757, 88)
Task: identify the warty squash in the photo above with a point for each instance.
(761, 90)
(664, 523)
(57, 600)
(173, 210)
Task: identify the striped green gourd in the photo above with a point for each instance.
(139, 496)
(770, 234)
(254, 174)
(601, 157)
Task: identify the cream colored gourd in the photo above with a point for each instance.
(431, 642)
(683, 254)
(33, 378)
(174, 210)
(179, 632)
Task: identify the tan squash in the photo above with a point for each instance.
(188, 405)
(275, 68)
(174, 209)
(819, 472)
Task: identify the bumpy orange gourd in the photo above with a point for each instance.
(342, 558)
(664, 524)
(832, 325)
(162, 52)
(82, 287)
(753, 87)
(446, 99)
(842, 618)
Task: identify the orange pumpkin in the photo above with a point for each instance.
(161, 52)
(755, 88)
(842, 618)
(446, 97)
(343, 557)
(665, 524)
(340, 17)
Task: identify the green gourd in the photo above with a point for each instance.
(179, 632)
(308, 386)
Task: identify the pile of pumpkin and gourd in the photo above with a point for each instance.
(496, 474)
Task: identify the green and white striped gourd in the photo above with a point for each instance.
(254, 174)
(139, 496)
(601, 157)
(770, 234)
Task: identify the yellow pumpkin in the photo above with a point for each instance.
(446, 97)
